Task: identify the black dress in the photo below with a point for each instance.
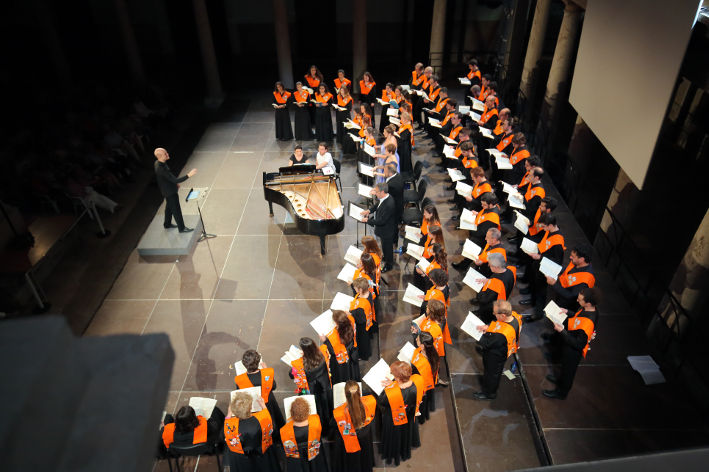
(303, 127)
(271, 405)
(347, 371)
(341, 117)
(323, 121)
(397, 441)
(215, 427)
(428, 402)
(252, 460)
(319, 385)
(364, 337)
(360, 461)
(404, 150)
(296, 161)
(302, 464)
(284, 131)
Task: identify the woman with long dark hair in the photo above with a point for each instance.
(313, 79)
(387, 96)
(362, 310)
(311, 376)
(341, 346)
(187, 428)
(354, 448)
(368, 90)
(323, 115)
(281, 96)
(303, 125)
(344, 100)
(426, 363)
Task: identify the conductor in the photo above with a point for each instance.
(168, 185)
(384, 222)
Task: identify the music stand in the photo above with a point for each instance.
(199, 194)
(349, 207)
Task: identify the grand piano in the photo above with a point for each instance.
(311, 198)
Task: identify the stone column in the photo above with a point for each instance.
(129, 43)
(209, 57)
(285, 64)
(359, 42)
(438, 36)
(563, 52)
(535, 45)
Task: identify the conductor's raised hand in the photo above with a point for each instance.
(191, 173)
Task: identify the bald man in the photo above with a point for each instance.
(168, 185)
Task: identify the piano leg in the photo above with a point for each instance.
(322, 244)
(270, 208)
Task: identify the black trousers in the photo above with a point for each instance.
(388, 249)
(570, 359)
(172, 208)
(493, 363)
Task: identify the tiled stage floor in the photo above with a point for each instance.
(257, 286)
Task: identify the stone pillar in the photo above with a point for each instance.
(129, 43)
(438, 36)
(359, 42)
(209, 57)
(285, 64)
(535, 45)
(563, 52)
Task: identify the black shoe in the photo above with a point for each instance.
(546, 337)
(455, 218)
(551, 378)
(514, 240)
(186, 230)
(450, 187)
(526, 301)
(551, 394)
(461, 266)
(525, 291)
(454, 208)
(531, 318)
(169, 226)
(479, 348)
(451, 200)
(386, 268)
(484, 396)
(474, 301)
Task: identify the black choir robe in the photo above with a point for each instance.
(302, 464)
(252, 460)
(397, 441)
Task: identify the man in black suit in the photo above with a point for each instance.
(384, 222)
(168, 185)
(396, 189)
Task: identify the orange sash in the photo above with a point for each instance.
(584, 324)
(364, 304)
(281, 99)
(290, 445)
(364, 88)
(199, 434)
(313, 82)
(339, 83)
(242, 381)
(434, 330)
(302, 96)
(508, 331)
(233, 439)
(423, 365)
(344, 422)
(569, 280)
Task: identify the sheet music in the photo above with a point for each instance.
(349, 124)
(554, 313)
(369, 149)
(394, 121)
(423, 94)
(494, 152)
(341, 302)
(356, 212)
(347, 273)
(413, 233)
(503, 163)
(474, 116)
(392, 112)
(423, 264)
(449, 152)
(323, 323)
(310, 91)
(516, 201)
(507, 188)
(471, 250)
(291, 354)
(529, 246)
(486, 132)
(464, 109)
(364, 190)
(275, 106)
(405, 88)
(239, 368)
(471, 280)
(355, 138)
(470, 326)
(464, 80)
(449, 140)
(468, 215)
(456, 175)
(549, 268)
(288, 401)
(521, 222)
(382, 102)
(434, 122)
(415, 251)
(365, 169)
(376, 375)
(353, 255)
(411, 295)
(203, 406)
(478, 104)
(338, 393)
(463, 189)
(406, 353)
(338, 108)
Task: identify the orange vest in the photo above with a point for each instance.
(388, 96)
(534, 192)
(323, 98)
(361, 273)
(343, 102)
(340, 350)
(313, 82)
(498, 286)
(433, 94)
(344, 422)
(364, 88)
(199, 434)
(377, 264)
(364, 304)
(479, 189)
(302, 96)
(472, 74)
(487, 115)
(454, 132)
(417, 79)
(423, 365)
(505, 142)
(441, 103)
(548, 242)
(434, 294)
(396, 400)
(508, 331)
(484, 92)
(233, 439)
(469, 163)
(485, 215)
(281, 99)
(434, 330)
(498, 128)
(446, 119)
(569, 280)
(301, 380)
(525, 180)
(584, 324)
(535, 228)
(424, 227)
(290, 445)
(486, 250)
(339, 83)
(435, 265)
(403, 127)
(518, 156)
(242, 381)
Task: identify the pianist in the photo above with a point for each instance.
(298, 157)
(323, 160)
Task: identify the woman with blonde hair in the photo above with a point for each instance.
(249, 437)
(354, 450)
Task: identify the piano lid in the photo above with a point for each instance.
(297, 169)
